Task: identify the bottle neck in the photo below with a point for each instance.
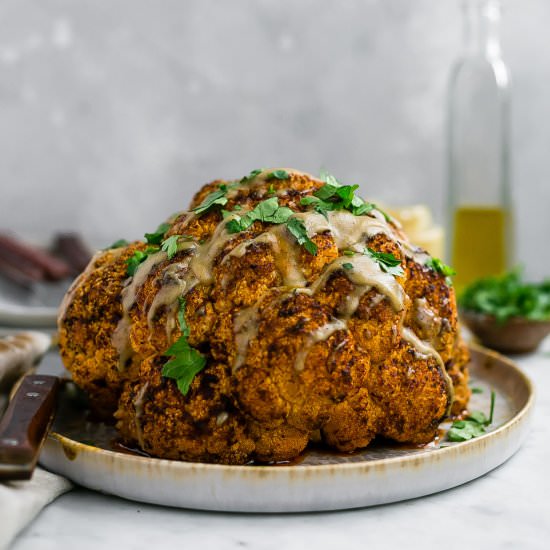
(481, 28)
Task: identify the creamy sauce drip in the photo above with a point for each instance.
(424, 348)
(245, 327)
(365, 274)
(69, 295)
(320, 334)
(426, 319)
(139, 403)
(346, 229)
(202, 263)
(177, 281)
(348, 232)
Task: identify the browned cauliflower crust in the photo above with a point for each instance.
(299, 347)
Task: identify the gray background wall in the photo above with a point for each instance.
(112, 112)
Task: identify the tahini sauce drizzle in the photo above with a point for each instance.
(347, 230)
(139, 403)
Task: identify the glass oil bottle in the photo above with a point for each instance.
(479, 208)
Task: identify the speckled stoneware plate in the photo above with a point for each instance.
(83, 452)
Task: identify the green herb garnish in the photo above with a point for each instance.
(347, 266)
(334, 196)
(269, 211)
(475, 389)
(251, 176)
(387, 262)
(118, 244)
(216, 198)
(278, 175)
(298, 230)
(474, 425)
(137, 258)
(437, 265)
(157, 236)
(170, 245)
(508, 296)
(186, 361)
(266, 211)
(349, 253)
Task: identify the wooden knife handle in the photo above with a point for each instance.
(25, 425)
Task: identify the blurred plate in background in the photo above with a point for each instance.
(33, 307)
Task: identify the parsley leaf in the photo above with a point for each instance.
(437, 265)
(278, 175)
(387, 262)
(118, 244)
(347, 266)
(463, 430)
(251, 176)
(216, 198)
(269, 211)
(170, 245)
(474, 425)
(186, 361)
(266, 211)
(333, 196)
(157, 236)
(137, 258)
(477, 390)
(298, 230)
(328, 178)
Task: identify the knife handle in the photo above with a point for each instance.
(25, 425)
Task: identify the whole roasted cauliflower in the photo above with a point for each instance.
(280, 309)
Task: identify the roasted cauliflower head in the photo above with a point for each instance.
(280, 309)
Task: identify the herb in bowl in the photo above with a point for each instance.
(506, 313)
(508, 296)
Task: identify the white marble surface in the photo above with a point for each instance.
(507, 508)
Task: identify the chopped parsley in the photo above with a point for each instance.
(269, 211)
(387, 262)
(170, 245)
(298, 230)
(508, 296)
(186, 362)
(474, 425)
(347, 266)
(216, 198)
(266, 211)
(157, 235)
(475, 389)
(333, 196)
(349, 253)
(277, 175)
(118, 244)
(437, 265)
(251, 176)
(137, 258)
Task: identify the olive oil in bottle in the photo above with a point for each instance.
(479, 213)
(479, 243)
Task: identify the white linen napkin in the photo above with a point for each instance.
(21, 501)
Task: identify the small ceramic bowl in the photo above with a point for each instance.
(517, 335)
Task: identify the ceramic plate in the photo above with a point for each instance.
(36, 307)
(320, 480)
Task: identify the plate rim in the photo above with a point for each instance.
(282, 469)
